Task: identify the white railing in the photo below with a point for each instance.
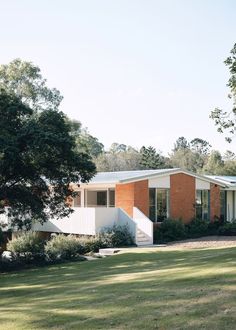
(81, 221)
(143, 223)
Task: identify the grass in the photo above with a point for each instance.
(138, 289)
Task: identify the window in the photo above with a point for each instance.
(111, 197)
(158, 204)
(202, 204)
(101, 198)
(223, 205)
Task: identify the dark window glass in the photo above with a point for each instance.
(101, 198)
(202, 204)
(111, 198)
(223, 205)
(158, 204)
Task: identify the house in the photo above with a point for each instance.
(142, 199)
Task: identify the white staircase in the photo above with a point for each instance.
(144, 228)
(142, 238)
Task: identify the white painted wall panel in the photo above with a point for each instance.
(202, 185)
(81, 221)
(159, 182)
(105, 217)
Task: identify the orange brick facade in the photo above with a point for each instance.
(215, 202)
(182, 197)
(133, 194)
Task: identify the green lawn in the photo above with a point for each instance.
(138, 289)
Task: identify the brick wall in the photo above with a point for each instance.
(214, 201)
(182, 197)
(133, 194)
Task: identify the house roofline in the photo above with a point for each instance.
(170, 172)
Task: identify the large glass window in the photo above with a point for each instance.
(96, 198)
(102, 198)
(202, 204)
(158, 204)
(223, 205)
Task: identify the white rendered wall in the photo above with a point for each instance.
(202, 185)
(105, 217)
(159, 182)
(81, 221)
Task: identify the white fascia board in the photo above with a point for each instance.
(204, 178)
(174, 171)
(149, 176)
(97, 185)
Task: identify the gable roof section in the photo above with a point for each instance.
(230, 181)
(126, 176)
(132, 176)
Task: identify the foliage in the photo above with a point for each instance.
(63, 247)
(83, 140)
(37, 153)
(200, 146)
(170, 230)
(91, 244)
(226, 121)
(116, 236)
(228, 229)
(181, 144)
(151, 159)
(119, 158)
(214, 164)
(24, 80)
(1, 237)
(197, 228)
(27, 247)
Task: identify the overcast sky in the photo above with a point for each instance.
(138, 72)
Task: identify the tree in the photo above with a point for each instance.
(226, 121)
(151, 159)
(38, 162)
(84, 141)
(117, 160)
(24, 80)
(200, 146)
(181, 144)
(215, 164)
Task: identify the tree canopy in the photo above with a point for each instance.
(38, 161)
(25, 81)
(225, 121)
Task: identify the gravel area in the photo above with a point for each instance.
(204, 242)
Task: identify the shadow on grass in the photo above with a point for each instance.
(145, 290)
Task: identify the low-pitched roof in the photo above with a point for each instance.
(123, 176)
(131, 176)
(230, 181)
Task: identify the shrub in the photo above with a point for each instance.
(91, 244)
(197, 228)
(116, 236)
(213, 226)
(27, 247)
(170, 230)
(228, 229)
(62, 247)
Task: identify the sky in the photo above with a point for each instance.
(138, 72)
